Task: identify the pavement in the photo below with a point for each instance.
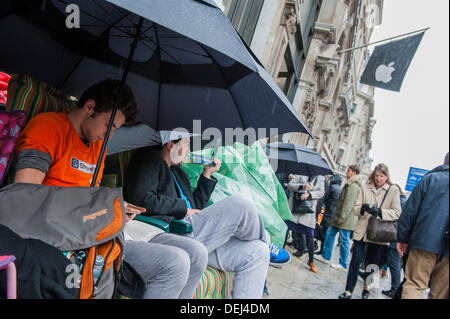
(295, 281)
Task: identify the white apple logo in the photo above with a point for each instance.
(383, 72)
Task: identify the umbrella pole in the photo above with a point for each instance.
(116, 103)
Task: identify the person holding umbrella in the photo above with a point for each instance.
(311, 189)
(61, 149)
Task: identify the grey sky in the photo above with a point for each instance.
(412, 126)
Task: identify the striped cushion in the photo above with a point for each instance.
(214, 284)
(32, 96)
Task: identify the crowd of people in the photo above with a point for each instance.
(419, 247)
(230, 234)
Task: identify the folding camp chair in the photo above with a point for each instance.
(7, 263)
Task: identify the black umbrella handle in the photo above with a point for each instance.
(116, 103)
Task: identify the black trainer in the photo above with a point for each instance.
(365, 294)
(344, 296)
(388, 293)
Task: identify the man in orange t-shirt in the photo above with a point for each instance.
(51, 145)
(62, 149)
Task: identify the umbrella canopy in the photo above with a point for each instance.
(189, 62)
(297, 159)
(182, 58)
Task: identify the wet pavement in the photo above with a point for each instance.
(296, 281)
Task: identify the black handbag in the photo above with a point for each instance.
(382, 231)
(303, 207)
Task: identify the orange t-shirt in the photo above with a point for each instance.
(72, 162)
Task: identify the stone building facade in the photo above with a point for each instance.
(299, 43)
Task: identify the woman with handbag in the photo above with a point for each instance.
(378, 208)
(307, 191)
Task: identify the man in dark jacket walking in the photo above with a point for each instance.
(423, 231)
(330, 200)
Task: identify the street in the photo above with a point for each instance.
(295, 281)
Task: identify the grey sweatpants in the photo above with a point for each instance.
(170, 264)
(233, 232)
(228, 235)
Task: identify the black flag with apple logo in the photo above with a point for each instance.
(389, 62)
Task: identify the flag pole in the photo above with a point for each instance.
(398, 36)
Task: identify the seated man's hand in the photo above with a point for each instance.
(132, 210)
(209, 169)
(191, 211)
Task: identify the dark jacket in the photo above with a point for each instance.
(149, 183)
(41, 268)
(423, 223)
(331, 197)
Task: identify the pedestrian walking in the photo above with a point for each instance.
(344, 221)
(393, 259)
(378, 198)
(306, 189)
(423, 232)
(330, 200)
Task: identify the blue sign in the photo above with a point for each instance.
(414, 176)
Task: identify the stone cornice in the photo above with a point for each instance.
(325, 32)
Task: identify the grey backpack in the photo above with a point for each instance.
(82, 222)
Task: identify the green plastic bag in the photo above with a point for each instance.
(246, 171)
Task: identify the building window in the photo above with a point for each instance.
(244, 15)
(353, 109)
(286, 79)
(339, 155)
(309, 12)
(346, 133)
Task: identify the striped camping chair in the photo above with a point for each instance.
(33, 97)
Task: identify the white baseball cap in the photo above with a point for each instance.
(167, 136)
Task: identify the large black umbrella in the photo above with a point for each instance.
(296, 159)
(182, 58)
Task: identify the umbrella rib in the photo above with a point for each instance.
(159, 82)
(105, 23)
(105, 11)
(128, 33)
(172, 37)
(158, 46)
(85, 12)
(82, 57)
(180, 49)
(234, 101)
(118, 10)
(149, 28)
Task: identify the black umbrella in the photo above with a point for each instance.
(182, 58)
(297, 159)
